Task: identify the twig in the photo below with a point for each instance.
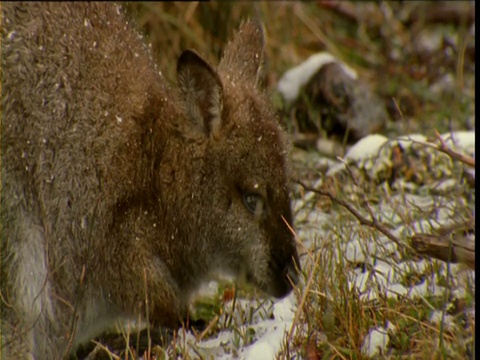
(443, 147)
(100, 347)
(371, 223)
(210, 325)
(451, 244)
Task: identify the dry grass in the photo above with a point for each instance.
(343, 311)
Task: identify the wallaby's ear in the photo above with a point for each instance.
(244, 56)
(202, 92)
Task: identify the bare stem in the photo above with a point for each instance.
(374, 223)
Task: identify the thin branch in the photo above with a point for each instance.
(363, 221)
(443, 147)
(454, 243)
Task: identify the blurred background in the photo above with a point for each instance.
(417, 57)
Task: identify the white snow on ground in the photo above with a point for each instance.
(267, 329)
(375, 342)
(373, 151)
(437, 317)
(461, 139)
(292, 81)
(366, 148)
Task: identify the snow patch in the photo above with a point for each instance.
(261, 350)
(366, 148)
(438, 316)
(375, 343)
(461, 139)
(292, 81)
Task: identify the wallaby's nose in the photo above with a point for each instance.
(285, 277)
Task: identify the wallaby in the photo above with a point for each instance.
(120, 194)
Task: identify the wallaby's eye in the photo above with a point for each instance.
(252, 201)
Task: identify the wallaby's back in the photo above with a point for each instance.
(74, 79)
(118, 191)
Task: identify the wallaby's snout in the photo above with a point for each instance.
(281, 277)
(287, 277)
(285, 265)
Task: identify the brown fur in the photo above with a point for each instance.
(117, 189)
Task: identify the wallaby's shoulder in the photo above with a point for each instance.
(81, 85)
(89, 45)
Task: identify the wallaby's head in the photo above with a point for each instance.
(242, 186)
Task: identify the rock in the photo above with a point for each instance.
(325, 97)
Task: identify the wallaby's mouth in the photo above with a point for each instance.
(280, 281)
(286, 279)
